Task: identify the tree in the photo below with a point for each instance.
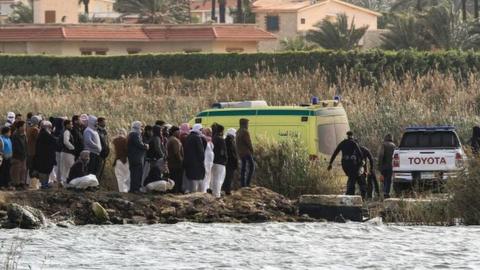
(243, 12)
(222, 6)
(337, 35)
(155, 11)
(296, 44)
(85, 4)
(444, 28)
(418, 5)
(404, 32)
(214, 10)
(21, 13)
(475, 9)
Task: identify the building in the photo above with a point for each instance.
(97, 8)
(291, 18)
(201, 11)
(120, 39)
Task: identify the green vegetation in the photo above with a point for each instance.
(338, 35)
(296, 44)
(156, 11)
(285, 168)
(368, 68)
(21, 13)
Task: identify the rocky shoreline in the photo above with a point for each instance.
(34, 209)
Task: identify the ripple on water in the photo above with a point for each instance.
(242, 246)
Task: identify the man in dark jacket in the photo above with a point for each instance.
(245, 152)
(18, 169)
(80, 167)
(105, 142)
(136, 156)
(475, 140)
(351, 161)
(232, 161)
(385, 166)
(77, 135)
(194, 159)
(44, 159)
(175, 158)
(367, 180)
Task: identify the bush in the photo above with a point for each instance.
(465, 202)
(284, 167)
(369, 66)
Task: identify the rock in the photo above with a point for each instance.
(338, 208)
(3, 214)
(100, 213)
(25, 217)
(66, 224)
(169, 211)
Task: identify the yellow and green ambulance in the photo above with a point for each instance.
(320, 125)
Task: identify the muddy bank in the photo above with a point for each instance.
(66, 207)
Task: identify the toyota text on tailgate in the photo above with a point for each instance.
(428, 153)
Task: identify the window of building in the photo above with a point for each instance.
(273, 23)
(50, 16)
(235, 50)
(133, 50)
(93, 51)
(192, 50)
(302, 21)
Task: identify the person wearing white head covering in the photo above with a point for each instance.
(44, 159)
(232, 161)
(122, 171)
(10, 119)
(194, 159)
(92, 143)
(136, 156)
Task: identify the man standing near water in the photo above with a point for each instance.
(245, 152)
(105, 143)
(385, 156)
(351, 161)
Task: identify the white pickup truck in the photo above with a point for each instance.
(427, 155)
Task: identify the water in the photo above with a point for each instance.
(239, 246)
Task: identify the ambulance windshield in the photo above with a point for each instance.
(330, 135)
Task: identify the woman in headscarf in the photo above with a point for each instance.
(209, 157)
(122, 172)
(194, 159)
(219, 161)
(136, 155)
(184, 131)
(232, 161)
(156, 152)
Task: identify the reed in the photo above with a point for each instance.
(434, 98)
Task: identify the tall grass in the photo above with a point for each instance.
(373, 111)
(285, 167)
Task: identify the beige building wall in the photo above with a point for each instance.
(122, 48)
(98, 6)
(66, 11)
(13, 47)
(287, 29)
(316, 14)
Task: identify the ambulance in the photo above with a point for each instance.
(320, 125)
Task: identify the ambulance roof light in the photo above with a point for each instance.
(314, 100)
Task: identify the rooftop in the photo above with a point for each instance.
(132, 32)
(296, 5)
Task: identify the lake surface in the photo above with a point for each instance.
(242, 246)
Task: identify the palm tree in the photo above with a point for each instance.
(444, 28)
(296, 44)
(222, 5)
(337, 35)
(418, 5)
(475, 9)
(155, 11)
(214, 10)
(239, 14)
(86, 4)
(404, 32)
(21, 13)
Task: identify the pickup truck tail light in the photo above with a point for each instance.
(396, 161)
(459, 160)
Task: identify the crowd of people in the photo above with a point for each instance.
(161, 157)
